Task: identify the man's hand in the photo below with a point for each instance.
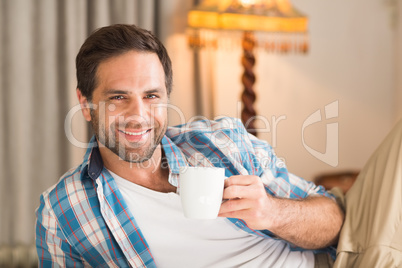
(311, 223)
(247, 200)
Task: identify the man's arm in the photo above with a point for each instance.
(311, 223)
(51, 246)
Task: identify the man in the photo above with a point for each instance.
(120, 207)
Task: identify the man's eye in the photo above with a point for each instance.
(150, 96)
(119, 97)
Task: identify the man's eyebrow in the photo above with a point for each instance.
(153, 90)
(127, 92)
(116, 91)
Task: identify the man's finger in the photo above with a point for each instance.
(242, 180)
(238, 214)
(236, 191)
(235, 205)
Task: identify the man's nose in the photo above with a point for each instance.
(137, 110)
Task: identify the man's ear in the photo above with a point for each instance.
(85, 107)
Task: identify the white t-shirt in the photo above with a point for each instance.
(176, 241)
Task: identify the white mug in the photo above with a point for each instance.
(201, 190)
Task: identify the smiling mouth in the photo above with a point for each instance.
(140, 133)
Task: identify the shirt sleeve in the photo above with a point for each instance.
(52, 247)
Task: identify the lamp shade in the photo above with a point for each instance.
(278, 18)
(268, 16)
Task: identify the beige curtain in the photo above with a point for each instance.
(39, 42)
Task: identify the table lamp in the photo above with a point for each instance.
(274, 25)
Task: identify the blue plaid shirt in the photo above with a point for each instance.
(83, 219)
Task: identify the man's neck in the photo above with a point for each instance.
(152, 174)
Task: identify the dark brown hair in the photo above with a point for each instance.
(111, 41)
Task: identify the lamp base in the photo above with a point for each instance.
(248, 97)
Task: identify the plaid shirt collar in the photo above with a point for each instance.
(93, 164)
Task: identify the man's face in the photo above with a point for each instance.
(129, 116)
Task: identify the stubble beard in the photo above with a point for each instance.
(134, 152)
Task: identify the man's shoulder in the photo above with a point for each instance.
(69, 188)
(228, 125)
(227, 132)
(223, 140)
